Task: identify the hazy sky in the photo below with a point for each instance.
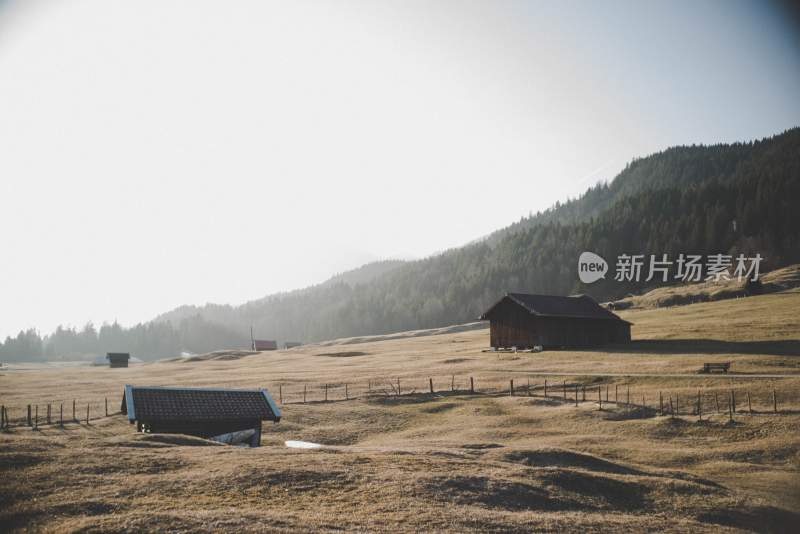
(160, 153)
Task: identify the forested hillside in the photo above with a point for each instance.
(681, 200)
(677, 167)
(684, 199)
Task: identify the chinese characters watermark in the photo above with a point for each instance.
(686, 267)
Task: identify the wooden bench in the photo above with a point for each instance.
(711, 367)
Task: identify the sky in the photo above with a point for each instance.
(160, 153)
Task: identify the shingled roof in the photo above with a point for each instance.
(197, 404)
(574, 306)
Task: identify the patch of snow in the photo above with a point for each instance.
(302, 444)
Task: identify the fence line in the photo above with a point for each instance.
(704, 403)
(54, 414)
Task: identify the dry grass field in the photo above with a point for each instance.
(771, 282)
(452, 460)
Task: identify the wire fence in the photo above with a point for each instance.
(639, 402)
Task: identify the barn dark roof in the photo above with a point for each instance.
(197, 404)
(574, 306)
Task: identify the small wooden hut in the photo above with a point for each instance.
(265, 344)
(524, 321)
(118, 359)
(225, 415)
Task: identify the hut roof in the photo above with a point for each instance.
(574, 306)
(197, 404)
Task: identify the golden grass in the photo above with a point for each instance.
(773, 281)
(449, 461)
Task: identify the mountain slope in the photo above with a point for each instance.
(683, 199)
(249, 311)
(676, 167)
(366, 273)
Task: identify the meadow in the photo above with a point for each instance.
(453, 459)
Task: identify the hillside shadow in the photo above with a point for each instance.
(789, 347)
(756, 518)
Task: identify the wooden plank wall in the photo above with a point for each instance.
(513, 326)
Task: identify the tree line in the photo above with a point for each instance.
(147, 341)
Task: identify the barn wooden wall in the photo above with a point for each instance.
(513, 326)
(203, 429)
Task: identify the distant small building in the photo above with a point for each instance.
(231, 416)
(118, 359)
(291, 344)
(265, 344)
(525, 321)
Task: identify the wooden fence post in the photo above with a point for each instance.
(74, 417)
(584, 392)
(628, 398)
(511, 388)
(699, 407)
(576, 395)
(606, 393)
(29, 416)
(398, 386)
(36, 420)
(326, 392)
(616, 393)
(565, 390)
(545, 387)
(733, 401)
(2, 416)
(346, 393)
(730, 409)
(61, 416)
(87, 413)
(305, 388)
(529, 386)
(430, 382)
(280, 393)
(774, 400)
(660, 403)
(677, 405)
(599, 399)
(716, 401)
(749, 405)
(106, 406)
(48, 413)
(471, 385)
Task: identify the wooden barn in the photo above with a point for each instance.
(264, 344)
(231, 416)
(118, 359)
(525, 321)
